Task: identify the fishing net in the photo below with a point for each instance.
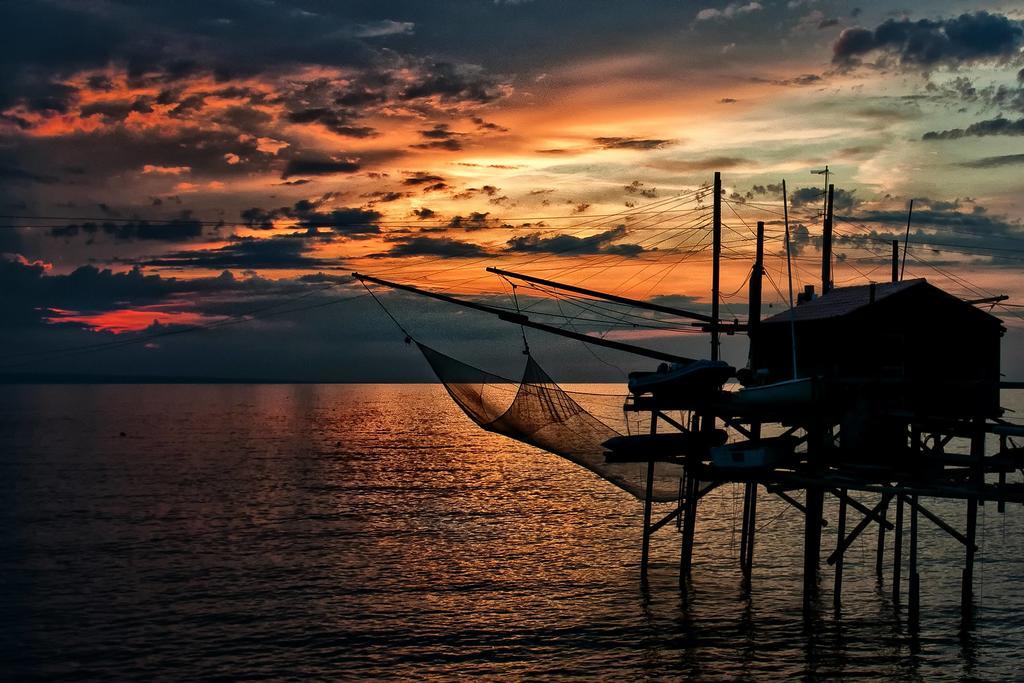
(538, 412)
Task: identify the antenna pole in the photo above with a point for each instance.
(789, 270)
(826, 245)
(756, 275)
(716, 229)
(906, 239)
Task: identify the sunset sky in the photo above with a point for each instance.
(228, 163)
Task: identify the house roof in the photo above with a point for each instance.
(843, 301)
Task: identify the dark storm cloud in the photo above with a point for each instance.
(40, 40)
(279, 252)
(975, 224)
(382, 196)
(996, 126)
(801, 80)
(487, 125)
(631, 143)
(298, 167)
(441, 137)
(995, 162)
(453, 82)
(335, 121)
(422, 178)
(127, 152)
(452, 145)
(471, 192)
(474, 221)
(28, 290)
(433, 246)
(345, 221)
(424, 213)
(350, 222)
(928, 43)
(175, 230)
(11, 174)
(842, 200)
(117, 110)
(602, 243)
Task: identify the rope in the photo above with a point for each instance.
(408, 337)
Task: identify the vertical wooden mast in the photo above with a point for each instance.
(826, 245)
(716, 230)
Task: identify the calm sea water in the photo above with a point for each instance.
(373, 532)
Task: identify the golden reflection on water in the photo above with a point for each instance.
(373, 531)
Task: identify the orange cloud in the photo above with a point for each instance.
(166, 170)
(129, 320)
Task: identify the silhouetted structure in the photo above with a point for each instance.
(861, 389)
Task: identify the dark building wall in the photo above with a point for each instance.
(935, 353)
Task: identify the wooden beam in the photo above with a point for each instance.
(797, 504)
(861, 526)
(667, 518)
(935, 519)
(875, 514)
(647, 305)
(520, 319)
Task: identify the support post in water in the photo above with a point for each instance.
(897, 550)
(977, 479)
(913, 586)
(913, 590)
(750, 503)
(814, 503)
(689, 523)
(837, 593)
(880, 550)
(750, 488)
(648, 504)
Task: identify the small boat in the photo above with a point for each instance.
(763, 454)
(701, 375)
(789, 392)
(644, 447)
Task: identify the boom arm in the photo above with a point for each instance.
(523, 320)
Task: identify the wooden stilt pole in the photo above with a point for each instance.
(744, 529)
(812, 542)
(913, 590)
(880, 550)
(813, 504)
(707, 420)
(841, 528)
(689, 524)
(895, 260)
(753, 325)
(897, 550)
(978, 479)
(748, 563)
(648, 504)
